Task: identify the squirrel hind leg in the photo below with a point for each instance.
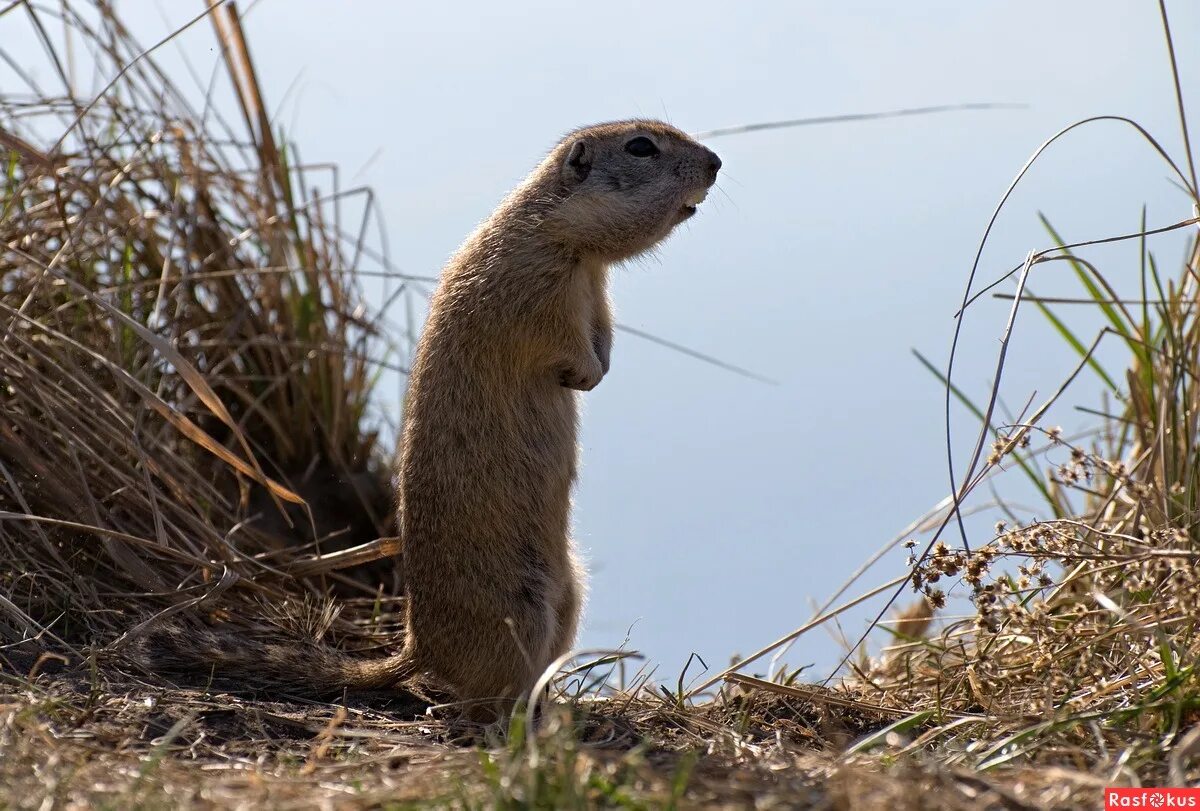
(493, 669)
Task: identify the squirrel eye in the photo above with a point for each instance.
(641, 147)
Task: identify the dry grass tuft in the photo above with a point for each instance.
(186, 360)
(1082, 647)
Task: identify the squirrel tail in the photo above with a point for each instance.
(264, 661)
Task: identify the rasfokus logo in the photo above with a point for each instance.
(1152, 798)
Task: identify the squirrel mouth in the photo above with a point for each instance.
(692, 200)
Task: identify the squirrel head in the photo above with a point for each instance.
(622, 187)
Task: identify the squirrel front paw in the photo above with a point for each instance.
(602, 345)
(581, 377)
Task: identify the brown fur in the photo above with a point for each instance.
(519, 323)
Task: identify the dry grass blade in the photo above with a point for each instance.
(803, 629)
(849, 117)
(378, 549)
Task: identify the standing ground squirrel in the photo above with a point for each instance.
(519, 323)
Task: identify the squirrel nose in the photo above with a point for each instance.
(714, 164)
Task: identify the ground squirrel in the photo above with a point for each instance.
(520, 322)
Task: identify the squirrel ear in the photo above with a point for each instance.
(579, 163)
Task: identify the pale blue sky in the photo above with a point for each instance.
(715, 510)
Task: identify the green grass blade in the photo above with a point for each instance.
(1067, 335)
(877, 738)
(1101, 297)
